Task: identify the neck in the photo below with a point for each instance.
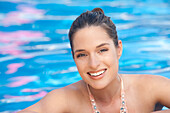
(107, 94)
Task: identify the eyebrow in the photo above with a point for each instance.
(103, 44)
(79, 50)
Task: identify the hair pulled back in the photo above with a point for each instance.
(96, 17)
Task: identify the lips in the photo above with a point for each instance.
(97, 74)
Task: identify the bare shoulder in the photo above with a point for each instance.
(153, 86)
(57, 100)
(155, 82)
(147, 79)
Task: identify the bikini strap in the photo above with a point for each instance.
(92, 101)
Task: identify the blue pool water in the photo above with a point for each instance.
(35, 55)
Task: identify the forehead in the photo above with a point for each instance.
(90, 37)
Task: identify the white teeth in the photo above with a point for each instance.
(97, 74)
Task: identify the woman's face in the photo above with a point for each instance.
(95, 56)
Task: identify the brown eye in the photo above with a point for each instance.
(81, 55)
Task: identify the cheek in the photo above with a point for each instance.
(80, 65)
(81, 69)
(112, 60)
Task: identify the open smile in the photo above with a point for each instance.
(97, 73)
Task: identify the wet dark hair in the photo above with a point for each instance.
(96, 17)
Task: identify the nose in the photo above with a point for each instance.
(94, 62)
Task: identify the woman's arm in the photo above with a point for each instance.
(161, 89)
(164, 111)
(53, 102)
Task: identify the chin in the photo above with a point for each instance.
(99, 85)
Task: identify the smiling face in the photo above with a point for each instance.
(96, 56)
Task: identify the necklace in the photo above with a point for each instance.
(123, 107)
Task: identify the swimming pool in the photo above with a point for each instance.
(35, 55)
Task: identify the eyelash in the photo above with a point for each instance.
(82, 55)
(103, 50)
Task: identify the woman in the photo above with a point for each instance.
(96, 51)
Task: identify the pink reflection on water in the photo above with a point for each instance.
(30, 90)
(21, 80)
(19, 37)
(25, 14)
(11, 98)
(10, 49)
(13, 40)
(12, 68)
